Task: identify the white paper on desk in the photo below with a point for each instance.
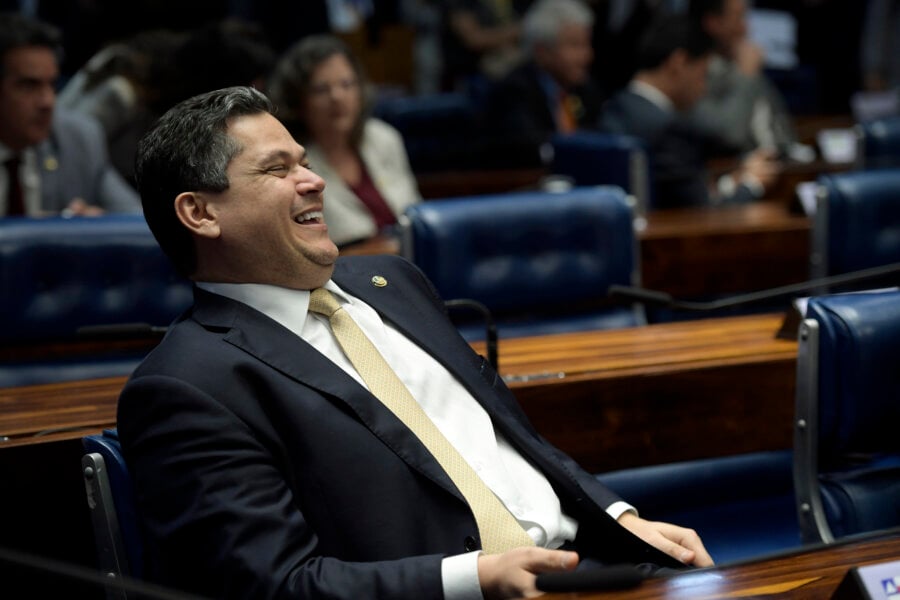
(868, 106)
(837, 145)
(776, 32)
(806, 193)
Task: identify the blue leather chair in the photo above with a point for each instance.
(440, 130)
(598, 158)
(878, 143)
(541, 262)
(64, 280)
(847, 450)
(857, 222)
(741, 506)
(111, 502)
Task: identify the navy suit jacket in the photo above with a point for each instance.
(262, 470)
(678, 150)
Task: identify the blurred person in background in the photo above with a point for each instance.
(56, 162)
(323, 98)
(672, 60)
(552, 90)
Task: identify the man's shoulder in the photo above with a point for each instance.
(627, 112)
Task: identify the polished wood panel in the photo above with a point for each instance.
(811, 574)
(660, 393)
(610, 399)
(700, 252)
(57, 411)
(452, 184)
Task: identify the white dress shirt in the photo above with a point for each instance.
(519, 485)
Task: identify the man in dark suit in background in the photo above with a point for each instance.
(552, 90)
(655, 107)
(263, 465)
(55, 162)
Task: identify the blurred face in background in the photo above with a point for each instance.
(729, 27)
(27, 96)
(569, 59)
(334, 102)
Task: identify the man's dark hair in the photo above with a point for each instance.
(19, 31)
(670, 33)
(188, 150)
(697, 9)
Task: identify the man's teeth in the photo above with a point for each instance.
(315, 215)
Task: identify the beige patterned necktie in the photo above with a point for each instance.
(498, 529)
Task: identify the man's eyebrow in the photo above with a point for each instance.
(275, 155)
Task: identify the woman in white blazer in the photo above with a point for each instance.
(321, 94)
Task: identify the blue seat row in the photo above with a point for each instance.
(72, 280)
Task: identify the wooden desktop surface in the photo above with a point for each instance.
(611, 399)
(810, 574)
(655, 394)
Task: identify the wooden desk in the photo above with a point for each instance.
(810, 574)
(610, 399)
(661, 393)
(38, 414)
(451, 184)
(697, 252)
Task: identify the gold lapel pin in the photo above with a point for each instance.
(379, 281)
(51, 164)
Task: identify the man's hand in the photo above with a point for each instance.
(513, 574)
(761, 165)
(678, 542)
(79, 208)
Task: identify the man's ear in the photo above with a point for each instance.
(197, 214)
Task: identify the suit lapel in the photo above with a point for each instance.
(282, 350)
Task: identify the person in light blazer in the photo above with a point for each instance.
(263, 465)
(58, 159)
(321, 95)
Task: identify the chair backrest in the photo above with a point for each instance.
(847, 451)
(857, 222)
(63, 278)
(599, 158)
(440, 130)
(58, 275)
(112, 506)
(519, 253)
(878, 143)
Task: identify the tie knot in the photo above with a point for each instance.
(323, 302)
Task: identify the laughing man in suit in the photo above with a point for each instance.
(263, 465)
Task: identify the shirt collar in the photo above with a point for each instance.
(283, 305)
(651, 94)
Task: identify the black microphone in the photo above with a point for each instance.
(658, 298)
(489, 325)
(612, 577)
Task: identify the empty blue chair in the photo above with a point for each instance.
(741, 506)
(541, 262)
(65, 280)
(878, 143)
(857, 222)
(847, 450)
(599, 158)
(440, 131)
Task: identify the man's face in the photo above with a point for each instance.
(27, 96)
(569, 59)
(729, 27)
(270, 219)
